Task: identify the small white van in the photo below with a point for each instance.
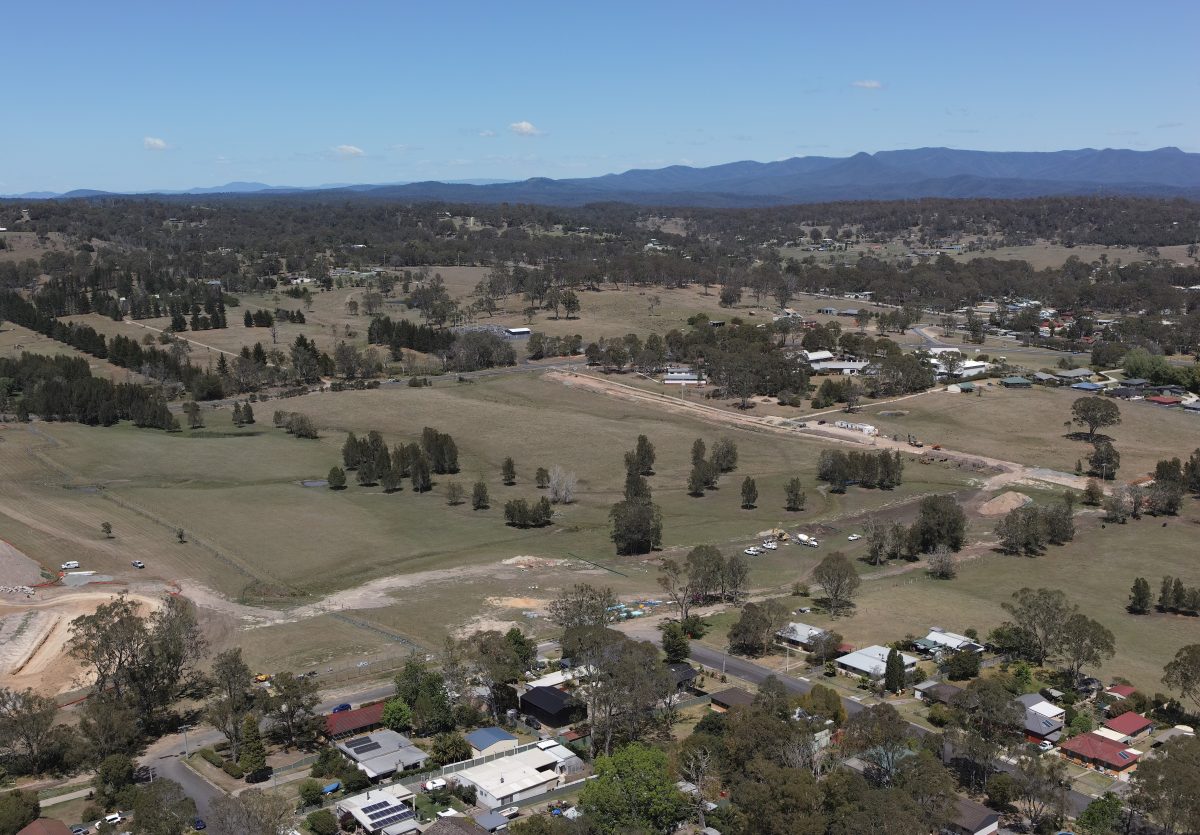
(70, 564)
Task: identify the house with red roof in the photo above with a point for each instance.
(1121, 691)
(1095, 751)
(354, 721)
(1130, 726)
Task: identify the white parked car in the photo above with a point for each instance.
(1045, 745)
(435, 783)
(138, 564)
(770, 546)
(854, 537)
(752, 551)
(67, 566)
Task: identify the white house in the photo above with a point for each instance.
(816, 356)
(865, 428)
(518, 331)
(872, 662)
(799, 635)
(508, 780)
(682, 377)
(939, 640)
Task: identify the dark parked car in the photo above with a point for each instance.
(199, 824)
(340, 708)
(533, 723)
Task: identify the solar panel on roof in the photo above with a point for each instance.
(1123, 755)
(375, 807)
(362, 740)
(383, 813)
(393, 819)
(362, 749)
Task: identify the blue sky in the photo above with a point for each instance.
(143, 95)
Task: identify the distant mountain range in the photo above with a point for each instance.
(886, 175)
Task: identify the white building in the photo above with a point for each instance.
(872, 662)
(682, 377)
(865, 428)
(799, 635)
(846, 368)
(939, 640)
(382, 752)
(508, 780)
(816, 356)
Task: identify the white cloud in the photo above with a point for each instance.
(488, 134)
(524, 129)
(153, 143)
(868, 84)
(222, 159)
(348, 151)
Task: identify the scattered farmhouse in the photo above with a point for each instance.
(484, 741)
(511, 779)
(939, 641)
(1016, 383)
(800, 635)
(872, 662)
(383, 752)
(816, 356)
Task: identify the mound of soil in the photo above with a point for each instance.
(1002, 504)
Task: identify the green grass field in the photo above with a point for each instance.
(1027, 426)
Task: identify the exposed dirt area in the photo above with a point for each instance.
(34, 638)
(376, 594)
(1002, 504)
(16, 569)
(523, 603)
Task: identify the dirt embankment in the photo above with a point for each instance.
(35, 638)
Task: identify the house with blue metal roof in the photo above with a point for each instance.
(490, 741)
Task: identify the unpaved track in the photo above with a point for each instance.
(1010, 473)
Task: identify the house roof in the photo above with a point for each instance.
(548, 699)
(45, 826)
(1086, 386)
(382, 752)
(1136, 381)
(682, 672)
(1122, 690)
(800, 632)
(873, 660)
(491, 821)
(1092, 746)
(349, 721)
(972, 816)
(482, 738)
(733, 697)
(1015, 381)
(1163, 400)
(1076, 373)
(1129, 723)
(942, 692)
(1042, 375)
(509, 775)
(454, 826)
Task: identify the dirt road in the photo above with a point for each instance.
(1008, 472)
